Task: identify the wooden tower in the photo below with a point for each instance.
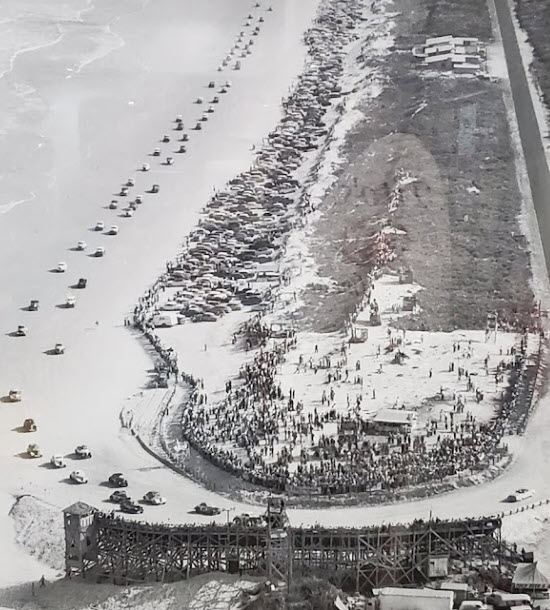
(80, 538)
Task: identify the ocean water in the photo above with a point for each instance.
(43, 41)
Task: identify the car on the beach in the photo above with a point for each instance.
(146, 167)
(57, 461)
(130, 182)
(113, 205)
(100, 251)
(118, 480)
(171, 306)
(70, 302)
(113, 230)
(83, 452)
(81, 245)
(155, 188)
(33, 451)
(131, 508)
(33, 306)
(166, 138)
(61, 267)
(21, 331)
(82, 282)
(138, 199)
(78, 476)
(153, 497)
(119, 496)
(519, 495)
(59, 348)
(205, 509)
(129, 213)
(123, 191)
(247, 520)
(205, 316)
(14, 396)
(99, 226)
(29, 425)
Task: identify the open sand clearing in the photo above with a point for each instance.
(95, 129)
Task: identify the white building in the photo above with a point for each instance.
(393, 598)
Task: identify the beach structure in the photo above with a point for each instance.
(108, 548)
(391, 421)
(458, 54)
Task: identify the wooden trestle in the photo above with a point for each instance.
(123, 551)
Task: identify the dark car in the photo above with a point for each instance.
(131, 508)
(117, 480)
(119, 496)
(82, 283)
(205, 509)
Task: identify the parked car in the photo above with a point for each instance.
(247, 520)
(62, 267)
(131, 508)
(29, 425)
(117, 480)
(99, 226)
(14, 396)
(33, 451)
(81, 245)
(153, 497)
(78, 476)
(519, 495)
(59, 348)
(99, 251)
(57, 461)
(119, 496)
(83, 452)
(113, 205)
(113, 230)
(205, 509)
(82, 283)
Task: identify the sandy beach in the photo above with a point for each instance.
(86, 94)
(94, 129)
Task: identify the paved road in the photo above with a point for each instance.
(535, 158)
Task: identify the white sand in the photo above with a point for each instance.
(92, 139)
(94, 129)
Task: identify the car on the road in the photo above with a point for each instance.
(520, 494)
(34, 305)
(21, 331)
(78, 476)
(62, 267)
(83, 452)
(99, 251)
(81, 245)
(59, 348)
(99, 225)
(118, 480)
(14, 396)
(70, 302)
(33, 451)
(153, 497)
(205, 509)
(82, 283)
(29, 425)
(119, 496)
(58, 461)
(113, 230)
(131, 508)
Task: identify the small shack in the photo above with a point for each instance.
(388, 421)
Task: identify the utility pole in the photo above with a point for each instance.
(228, 510)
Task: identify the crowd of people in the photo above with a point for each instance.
(258, 431)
